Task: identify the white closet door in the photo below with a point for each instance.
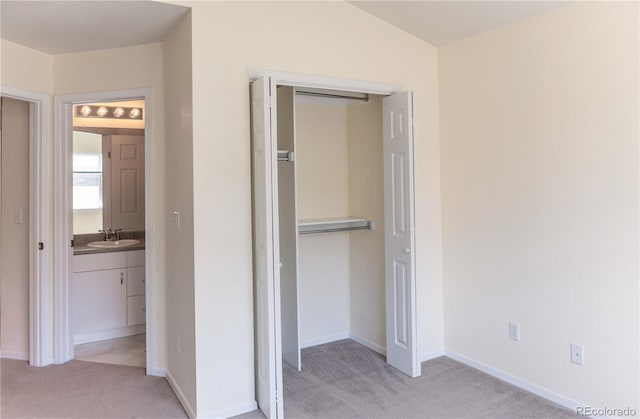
(266, 253)
(399, 233)
(288, 237)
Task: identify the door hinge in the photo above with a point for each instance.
(108, 154)
(41, 246)
(73, 243)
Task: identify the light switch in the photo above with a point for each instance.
(17, 216)
(176, 220)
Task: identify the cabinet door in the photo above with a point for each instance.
(99, 261)
(98, 300)
(135, 281)
(135, 258)
(135, 310)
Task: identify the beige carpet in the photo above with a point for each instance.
(339, 380)
(346, 380)
(80, 389)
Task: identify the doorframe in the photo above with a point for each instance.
(360, 86)
(280, 78)
(39, 221)
(63, 219)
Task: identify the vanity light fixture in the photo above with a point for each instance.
(85, 110)
(102, 111)
(106, 112)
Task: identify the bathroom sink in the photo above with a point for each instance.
(113, 244)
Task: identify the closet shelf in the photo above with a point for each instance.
(332, 225)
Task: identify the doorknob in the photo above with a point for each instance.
(407, 250)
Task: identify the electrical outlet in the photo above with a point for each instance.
(514, 331)
(577, 354)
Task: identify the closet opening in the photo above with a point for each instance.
(333, 228)
(331, 220)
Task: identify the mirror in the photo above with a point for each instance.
(108, 167)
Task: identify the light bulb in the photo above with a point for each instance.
(118, 112)
(134, 113)
(85, 110)
(102, 111)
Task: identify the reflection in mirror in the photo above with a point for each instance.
(87, 182)
(108, 168)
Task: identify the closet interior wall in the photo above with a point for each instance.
(339, 172)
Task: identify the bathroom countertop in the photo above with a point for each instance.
(80, 243)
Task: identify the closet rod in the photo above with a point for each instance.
(337, 229)
(364, 97)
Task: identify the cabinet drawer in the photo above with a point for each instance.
(135, 310)
(100, 261)
(135, 258)
(135, 281)
(98, 301)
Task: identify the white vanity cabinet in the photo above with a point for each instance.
(107, 295)
(135, 288)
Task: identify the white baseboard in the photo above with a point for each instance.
(323, 340)
(369, 344)
(238, 409)
(431, 355)
(518, 382)
(19, 356)
(157, 372)
(181, 397)
(109, 334)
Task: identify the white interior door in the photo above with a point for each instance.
(127, 182)
(400, 281)
(266, 251)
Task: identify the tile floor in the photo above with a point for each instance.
(129, 350)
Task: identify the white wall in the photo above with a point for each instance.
(539, 132)
(322, 167)
(322, 173)
(366, 200)
(25, 68)
(14, 246)
(323, 38)
(179, 197)
(103, 70)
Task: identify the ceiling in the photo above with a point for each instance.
(442, 22)
(58, 27)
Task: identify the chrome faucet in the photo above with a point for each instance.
(107, 234)
(111, 234)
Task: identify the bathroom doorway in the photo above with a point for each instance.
(107, 300)
(104, 276)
